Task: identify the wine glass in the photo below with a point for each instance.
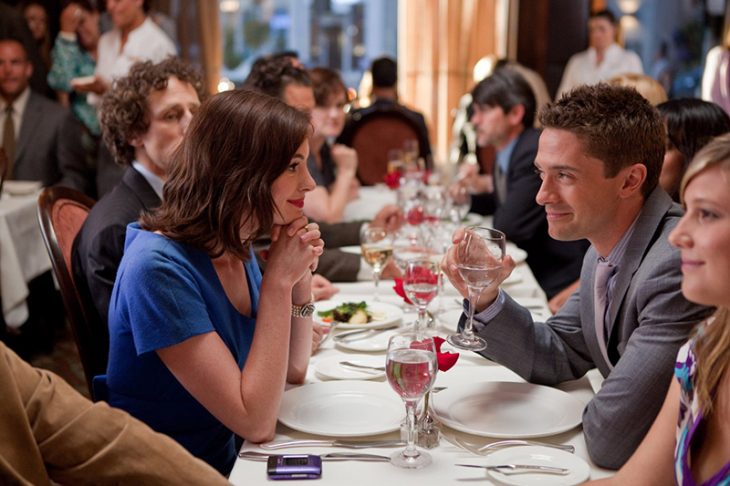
(377, 249)
(479, 261)
(408, 243)
(411, 370)
(421, 285)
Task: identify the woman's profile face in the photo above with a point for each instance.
(289, 189)
(702, 236)
(329, 120)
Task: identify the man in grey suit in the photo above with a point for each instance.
(40, 138)
(599, 159)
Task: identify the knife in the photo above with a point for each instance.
(330, 456)
(520, 468)
(348, 444)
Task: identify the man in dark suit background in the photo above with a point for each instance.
(40, 138)
(144, 119)
(384, 72)
(503, 116)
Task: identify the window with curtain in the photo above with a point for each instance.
(341, 34)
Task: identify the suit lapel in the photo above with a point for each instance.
(141, 189)
(647, 225)
(31, 119)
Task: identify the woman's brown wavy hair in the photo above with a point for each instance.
(236, 146)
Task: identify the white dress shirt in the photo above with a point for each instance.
(582, 67)
(18, 109)
(145, 43)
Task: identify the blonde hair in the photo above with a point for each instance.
(712, 347)
(647, 86)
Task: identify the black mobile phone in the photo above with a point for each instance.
(294, 466)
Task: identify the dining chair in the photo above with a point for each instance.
(61, 213)
(375, 130)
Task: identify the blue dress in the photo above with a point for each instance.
(165, 293)
(690, 419)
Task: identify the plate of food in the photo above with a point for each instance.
(356, 314)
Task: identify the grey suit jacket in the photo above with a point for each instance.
(649, 320)
(49, 146)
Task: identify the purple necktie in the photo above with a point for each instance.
(604, 270)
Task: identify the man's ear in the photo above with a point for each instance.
(633, 178)
(135, 142)
(516, 114)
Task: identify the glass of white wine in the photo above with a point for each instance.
(479, 261)
(377, 249)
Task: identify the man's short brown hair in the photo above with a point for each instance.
(124, 111)
(615, 125)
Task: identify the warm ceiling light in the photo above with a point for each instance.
(229, 6)
(629, 7)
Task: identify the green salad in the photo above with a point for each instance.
(349, 312)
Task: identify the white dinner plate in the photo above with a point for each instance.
(21, 188)
(579, 470)
(514, 278)
(518, 254)
(384, 314)
(508, 410)
(342, 408)
(369, 344)
(330, 368)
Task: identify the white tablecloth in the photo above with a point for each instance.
(370, 200)
(469, 369)
(23, 255)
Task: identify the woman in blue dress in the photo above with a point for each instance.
(689, 442)
(201, 346)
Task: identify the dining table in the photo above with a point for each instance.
(23, 255)
(471, 372)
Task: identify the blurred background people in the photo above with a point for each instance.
(13, 26)
(333, 166)
(603, 59)
(134, 37)
(74, 56)
(647, 86)
(40, 138)
(36, 16)
(690, 124)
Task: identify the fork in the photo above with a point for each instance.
(489, 448)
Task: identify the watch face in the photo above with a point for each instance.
(307, 310)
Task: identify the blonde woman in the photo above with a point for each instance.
(689, 442)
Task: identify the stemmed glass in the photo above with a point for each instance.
(479, 261)
(421, 285)
(408, 243)
(377, 249)
(411, 370)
